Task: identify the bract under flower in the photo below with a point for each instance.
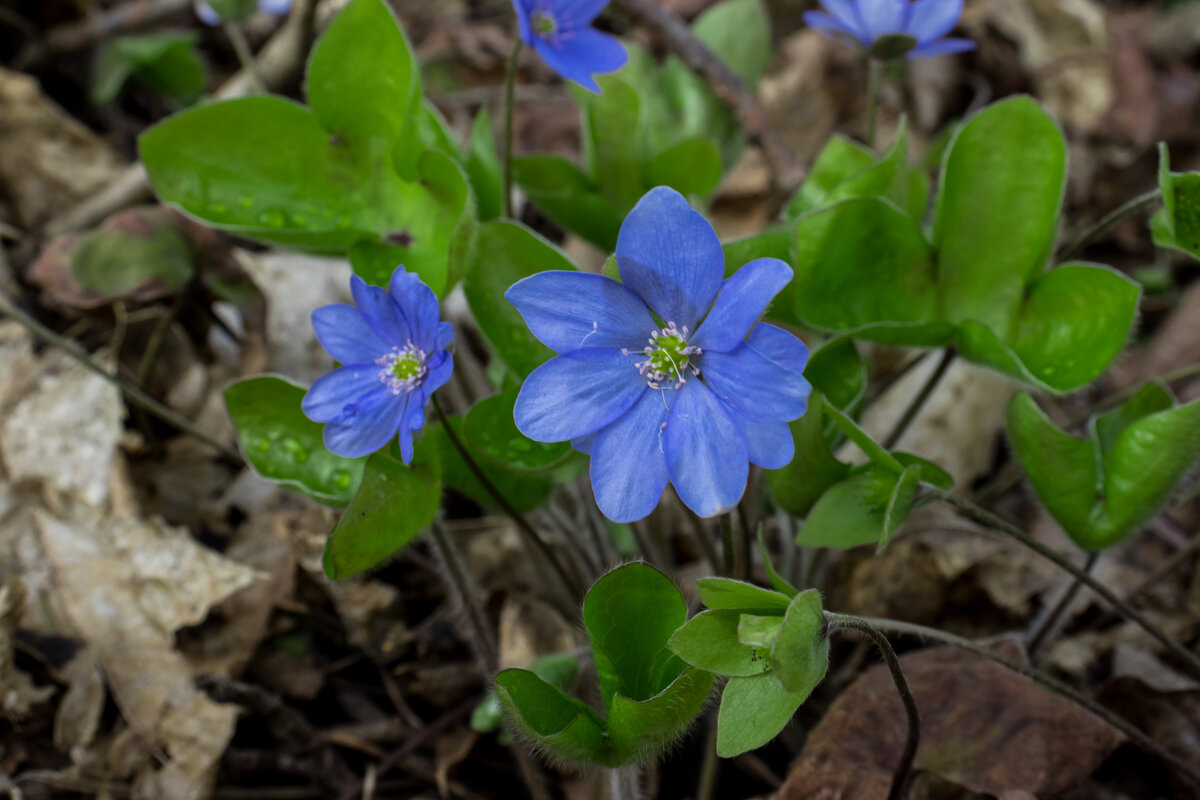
(560, 32)
(392, 346)
(690, 400)
(893, 28)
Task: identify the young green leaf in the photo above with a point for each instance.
(840, 159)
(550, 718)
(489, 428)
(1177, 223)
(739, 33)
(866, 508)
(800, 654)
(709, 641)
(640, 729)
(798, 485)
(753, 712)
(483, 168)
(568, 197)
(727, 593)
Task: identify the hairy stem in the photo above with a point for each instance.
(1107, 221)
(985, 517)
(874, 83)
(904, 767)
(1120, 723)
(466, 598)
(510, 101)
(1049, 623)
(918, 402)
(729, 549)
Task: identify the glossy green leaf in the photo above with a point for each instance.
(798, 485)
(800, 655)
(568, 197)
(709, 641)
(739, 33)
(506, 252)
(758, 631)
(859, 510)
(630, 613)
(524, 490)
(557, 669)
(885, 177)
(489, 428)
(1177, 224)
(484, 170)
(1000, 191)
(840, 159)
(770, 243)
(692, 167)
(839, 372)
(864, 269)
(167, 62)
(1105, 429)
(112, 262)
(641, 729)
(727, 593)
(612, 150)
(286, 447)
(394, 503)
(753, 712)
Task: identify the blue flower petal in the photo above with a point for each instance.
(743, 299)
(629, 466)
(584, 443)
(413, 419)
(524, 8)
(755, 386)
(440, 365)
(570, 310)
(940, 47)
(418, 306)
(780, 346)
(276, 7)
(769, 444)
(330, 395)
(345, 335)
(669, 255)
(834, 28)
(577, 393)
(369, 424)
(933, 19)
(881, 17)
(706, 453)
(381, 312)
(582, 54)
(445, 335)
(207, 14)
(846, 13)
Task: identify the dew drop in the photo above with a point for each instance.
(246, 201)
(341, 479)
(261, 443)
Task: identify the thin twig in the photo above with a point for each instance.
(1120, 723)
(918, 402)
(904, 767)
(245, 54)
(1042, 632)
(1107, 221)
(1170, 565)
(786, 171)
(466, 598)
(985, 517)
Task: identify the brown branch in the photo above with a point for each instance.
(786, 171)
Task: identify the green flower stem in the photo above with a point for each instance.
(900, 777)
(875, 69)
(705, 542)
(135, 395)
(523, 526)
(981, 515)
(1107, 221)
(1053, 684)
(918, 402)
(510, 91)
(241, 46)
(1049, 623)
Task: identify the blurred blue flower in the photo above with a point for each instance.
(392, 345)
(209, 16)
(687, 397)
(559, 31)
(893, 28)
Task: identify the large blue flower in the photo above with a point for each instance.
(560, 32)
(891, 28)
(665, 377)
(393, 350)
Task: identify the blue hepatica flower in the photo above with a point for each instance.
(393, 347)
(892, 28)
(560, 32)
(686, 397)
(209, 16)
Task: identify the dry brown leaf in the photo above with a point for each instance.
(17, 363)
(450, 750)
(18, 694)
(530, 628)
(78, 717)
(983, 727)
(1170, 718)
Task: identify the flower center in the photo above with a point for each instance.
(543, 24)
(403, 369)
(668, 357)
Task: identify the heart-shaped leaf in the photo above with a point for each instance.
(1177, 223)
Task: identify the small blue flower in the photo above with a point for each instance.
(393, 350)
(891, 28)
(686, 397)
(209, 16)
(559, 31)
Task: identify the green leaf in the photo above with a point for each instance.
(865, 508)
(641, 729)
(630, 613)
(692, 167)
(167, 62)
(568, 197)
(753, 712)
(863, 269)
(286, 447)
(758, 631)
(1104, 429)
(557, 669)
(552, 719)
(771, 243)
(927, 471)
(1000, 191)
(841, 158)
(709, 641)
(394, 503)
(901, 503)
(813, 469)
(884, 178)
(611, 146)
(779, 583)
(739, 33)
(113, 263)
(489, 428)
(1177, 224)
(506, 252)
(484, 169)
(523, 490)
(839, 372)
(878, 455)
(800, 655)
(727, 593)
(233, 10)
(363, 80)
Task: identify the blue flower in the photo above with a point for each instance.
(209, 16)
(686, 397)
(559, 31)
(891, 28)
(393, 348)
